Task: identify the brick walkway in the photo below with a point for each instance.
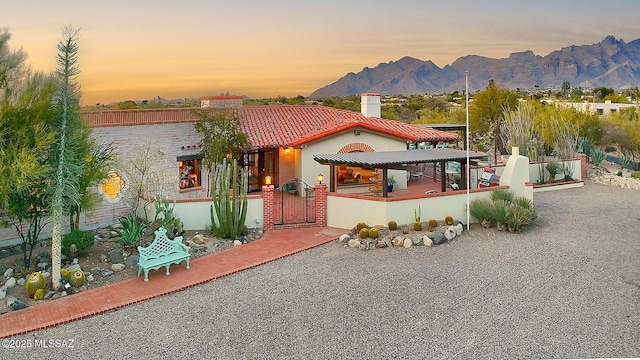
(273, 245)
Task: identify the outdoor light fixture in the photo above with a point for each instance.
(320, 177)
(287, 150)
(267, 180)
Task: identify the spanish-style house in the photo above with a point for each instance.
(284, 139)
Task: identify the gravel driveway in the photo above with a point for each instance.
(567, 287)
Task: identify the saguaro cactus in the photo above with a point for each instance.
(229, 210)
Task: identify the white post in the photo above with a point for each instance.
(466, 81)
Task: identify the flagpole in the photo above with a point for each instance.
(466, 81)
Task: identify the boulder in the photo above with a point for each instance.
(398, 241)
(132, 260)
(450, 233)
(200, 239)
(438, 238)
(10, 283)
(407, 243)
(15, 304)
(427, 241)
(116, 256)
(459, 229)
(344, 238)
(117, 267)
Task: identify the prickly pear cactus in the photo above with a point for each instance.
(76, 278)
(34, 282)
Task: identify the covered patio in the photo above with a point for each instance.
(400, 160)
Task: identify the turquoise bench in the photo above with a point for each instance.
(162, 252)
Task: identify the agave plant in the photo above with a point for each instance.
(481, 209)
(131, 231)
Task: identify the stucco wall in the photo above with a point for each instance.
(331, 145)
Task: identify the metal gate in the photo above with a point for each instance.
(294, 203)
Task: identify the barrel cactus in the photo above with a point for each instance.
(373, 233)
(64, 274)
(448, 220)
(361, 225)
(417, 226)
(39, 295)
(364, 233)
(393, 225)
(76, 278)
(433, 223)
(34, 282)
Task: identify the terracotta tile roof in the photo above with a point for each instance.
(284, 125)
(294, 125)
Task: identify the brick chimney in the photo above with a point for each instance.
(370, 105)
(221, 102)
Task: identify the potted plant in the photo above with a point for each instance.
(390, 182)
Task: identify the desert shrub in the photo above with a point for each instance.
(481, 209)
(522, 202)
(83, 240)
(499, 212)
(502, 194)
(518, 216)
(635, 174)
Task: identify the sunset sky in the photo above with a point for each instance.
(136, 50)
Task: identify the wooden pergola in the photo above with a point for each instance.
(399, 160)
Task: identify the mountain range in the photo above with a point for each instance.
(609, 63)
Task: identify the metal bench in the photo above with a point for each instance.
(162, 252)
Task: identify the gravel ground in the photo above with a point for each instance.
(567, 287)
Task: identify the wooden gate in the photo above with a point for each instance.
(294, 203)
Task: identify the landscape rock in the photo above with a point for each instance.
(74, 267)
(459, 229)
(10, 283)
(398, 241)
(417, 241)
(15, 304)
(46, 274)
(104, 258)
(381, 244)
(21, 281)
(8, 273)
(50, 295)
(237, 242)
(116, 256)
(106, 272)
(450, 233)
(344, 238)
(427, 241)
(407, 243)
(89, 277)
(117, 267)
(354, 243)
(132, 260)
(3, 292)
(200, 239)
(438, 238)
(42, 265)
